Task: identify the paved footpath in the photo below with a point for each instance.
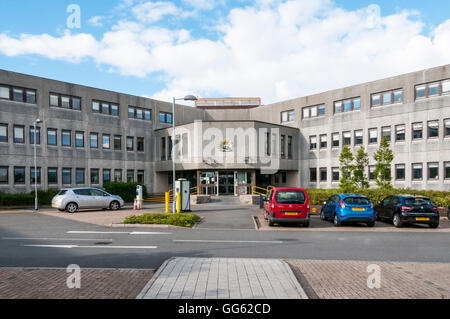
(223, 278)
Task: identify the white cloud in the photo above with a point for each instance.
(274, 49)
(96, 21)
(204, 4)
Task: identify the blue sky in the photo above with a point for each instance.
(250, 51)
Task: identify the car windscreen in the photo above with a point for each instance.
(357, 201)
(290, 197)
(417, 201)
(63, 192)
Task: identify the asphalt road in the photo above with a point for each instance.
(35, 240)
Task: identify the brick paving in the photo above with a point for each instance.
(348, 279)
(28, 283)
(223, 278)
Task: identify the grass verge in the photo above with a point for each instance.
(182, 220)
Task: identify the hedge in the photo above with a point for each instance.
(44, 197)
(183, 220)
(125, 190)
(439, 198)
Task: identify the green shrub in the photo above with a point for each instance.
(439, 198)
(44, 198)
(125, 190)
(183, 220)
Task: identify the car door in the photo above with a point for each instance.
(83, 197)
(328, 208)
(392, 207)
(383, 206)
(268, 203)
(99, 199)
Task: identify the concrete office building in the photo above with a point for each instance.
(90, 136)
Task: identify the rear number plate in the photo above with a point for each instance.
(359, 209)
(422, 219)
(291, 214)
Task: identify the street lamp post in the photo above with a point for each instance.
(186, 98)
(36, 207)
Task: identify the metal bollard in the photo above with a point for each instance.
(167, 202)
(178, 203)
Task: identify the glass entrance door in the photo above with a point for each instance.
(226, 183)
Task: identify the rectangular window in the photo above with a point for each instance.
(66, 138)
(117, 175)
(398, 96)
(147, 115)
(5, 92)
(169, 139)
(421, 91)
(386, 133)
(309, 111)
(93, 138)
(32, 175)
(130, 144)
(323, 175)
(140, 144)
(140, 177)
(38, 135)
(321, 109)
(79, 139)
(52, 176)
(433, 89)
(373, 136)
(359, 137)
(19, 175)
(335, 138)
(65, 102)
(312, 142)
(446, 170)
(371, 173)
(417, 171)
(289, 147)
(139, 114)
(165, 117)
(30, 96)
(18, 94)
(337, 107)
(169, 118)
(433, 171)
(95, 107)
(417, 131)
(117, 142)
(287, 116)
(105, 108)
(106, 142)
(114, 110)
(387, 98)
(130, 176)
(313, 111)
(313, 175)
(433, 129)
(268, 143)
(76, 103)
(95, 178)
(52, 137)
(335, 174)
(447, 127)
(79, 176)
(347, 105)
(347, 138)
(54, 100)
(376, 100)
(106, 176)
(67, 176)
(356, 104)
(19, 134)
(323, 141)
(163, 148)
(446, 87)
(4, 172)
(305, 115)
(131, 112)
(283, 146)
(4, 133)
(400, 133)
(400, 172)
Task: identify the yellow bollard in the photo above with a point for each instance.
(167, 202)
(178, 203)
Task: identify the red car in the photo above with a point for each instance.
(287, 205)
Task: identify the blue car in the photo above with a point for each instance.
(346, 208)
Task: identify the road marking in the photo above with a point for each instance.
(119, 233)
(56, 239)
(97, 247)
(229, 241)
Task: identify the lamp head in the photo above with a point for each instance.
(190, 98)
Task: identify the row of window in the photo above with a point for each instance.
(377, 99)
(139, 113)
(65, 101)
(107, 142)
(417, 133)
(17, 94)
(417, 173)
(19, 175)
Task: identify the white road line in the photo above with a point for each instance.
(96, 247)
(119, 233)
(228, 241)
(56, 239)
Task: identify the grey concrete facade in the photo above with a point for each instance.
(427, 151)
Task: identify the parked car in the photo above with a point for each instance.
(287, 205)
(402, 209)
(344, 208)
(73, 199)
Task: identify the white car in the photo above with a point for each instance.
(73, 199)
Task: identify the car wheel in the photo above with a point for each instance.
(306, 224)
(397, 221)
(377, 218)
(336, 221)
(71, 208)
(322, 215)
(434, 225)
(114, 205)
(371, 224)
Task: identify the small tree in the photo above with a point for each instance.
(384, 157)
(346, 183)
(361, 162)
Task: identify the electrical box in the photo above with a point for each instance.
(140, 196)
(183, 187)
